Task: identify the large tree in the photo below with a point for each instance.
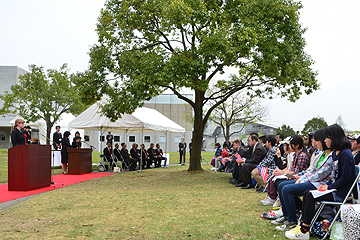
(313, 125)
(236, 112)
(41, 95)
(147, 46)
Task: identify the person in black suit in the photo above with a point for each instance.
(65, 144)
(77, 134)
(145, 157)
(151, 153)
(135, 154)
(17, 136)
(107, 152)
(57, 137)
(76, 142)
(109, 138)
(160, 154)
(182, 151)
(27, 134)
(258, 153)
(127, 158)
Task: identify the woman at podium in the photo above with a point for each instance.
(17, 137)
(65, 144)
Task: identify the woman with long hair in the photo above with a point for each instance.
(17, 137)
(343, 175)
(65, 144)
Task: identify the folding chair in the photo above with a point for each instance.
(103, 161)
(123, 163)
(338, 204)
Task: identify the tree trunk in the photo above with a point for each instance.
(227, 134)
(48, 132)
(198, 132)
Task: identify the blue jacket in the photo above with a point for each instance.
(344, 173)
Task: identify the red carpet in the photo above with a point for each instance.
(6, 195)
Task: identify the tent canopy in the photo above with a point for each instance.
(143, 119)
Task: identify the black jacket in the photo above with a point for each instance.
(28, 136)
(182, 145)
(107, 154)
(124, 153)
(134, 153)
(17, 138)
(57, 137)
(117, 154)
(76, 144)
(151, 153)
(258, 155)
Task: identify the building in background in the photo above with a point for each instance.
(9, 75)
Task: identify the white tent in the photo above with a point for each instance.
(143, 119)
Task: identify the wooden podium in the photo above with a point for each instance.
(29, 167)
(80, 160)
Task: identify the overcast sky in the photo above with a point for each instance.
(50, 33)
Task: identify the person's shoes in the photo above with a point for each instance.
(239, 184)
(247, 186)
(230, 179)
(272, 215)
(228, 171)
(235, 181)
(296, 233)
(267, 201)
(277, 203)
(280, 220)
(287, 226)
(183, 164)
(65, 173)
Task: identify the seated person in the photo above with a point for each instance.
(342, 179)
(299, 164)
(225, 161)
(160, 154)
(134, 153)
(146, 161)
(76, 143)
(263, 140)
(247, 165)
(217, 155)
(151, 153)
(127, 158)
(238, 152)
(107, 152)
(267, 165)
(355, 147)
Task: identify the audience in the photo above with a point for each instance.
(217, 155)
(127, 158)
(355, 147)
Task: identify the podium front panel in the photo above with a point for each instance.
(80, 160)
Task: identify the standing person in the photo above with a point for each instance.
(65, 144)
(17, 137)
(342, 178)
(57, 137)
(27, 134)
(109, 138)
(182, 151)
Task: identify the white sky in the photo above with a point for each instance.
(50, 33)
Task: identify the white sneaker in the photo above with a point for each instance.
(277, 203)
(267, 201)
(278, 213)
(296, 233)
(212, 169)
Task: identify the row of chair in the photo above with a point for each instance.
(114, 162)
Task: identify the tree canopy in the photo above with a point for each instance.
(148, 46)
(286, 131)
(314, 124)
(238, 111)
(41, 95)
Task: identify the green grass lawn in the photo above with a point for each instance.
(156, 204)
(162, 203)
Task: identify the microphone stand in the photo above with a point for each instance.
(53, 162)
(91, 146)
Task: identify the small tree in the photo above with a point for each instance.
(314, 124)
(41, 95)
(340, 122)
(239, 110)
(286, 131)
